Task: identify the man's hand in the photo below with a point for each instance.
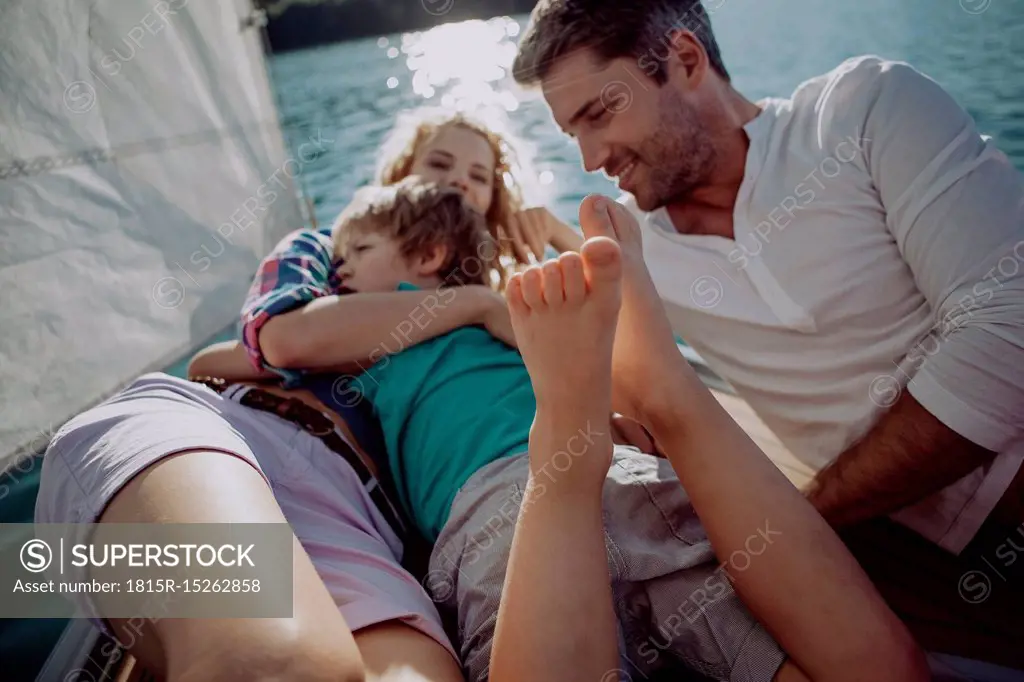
(626, 431)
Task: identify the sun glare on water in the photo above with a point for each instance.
(465, 65)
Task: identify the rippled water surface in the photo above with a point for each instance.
(350, 92)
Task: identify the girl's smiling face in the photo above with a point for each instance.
(458, 157)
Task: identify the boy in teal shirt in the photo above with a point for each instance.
(450, 405)
(465, 396)
(457, 413)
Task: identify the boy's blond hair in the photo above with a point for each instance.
(421, 216)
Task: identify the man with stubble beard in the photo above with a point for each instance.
(849, 259)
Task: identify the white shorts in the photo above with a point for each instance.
(354, 550)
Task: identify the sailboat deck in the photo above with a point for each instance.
(795, 470)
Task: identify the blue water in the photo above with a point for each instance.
(347, 95)
(769, 47)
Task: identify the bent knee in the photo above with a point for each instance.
(278, 654)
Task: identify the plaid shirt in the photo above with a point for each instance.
(298, 270)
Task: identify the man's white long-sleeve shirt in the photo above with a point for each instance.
(879, 247)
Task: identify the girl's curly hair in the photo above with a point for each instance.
(415, 128)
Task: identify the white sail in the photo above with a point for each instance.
(142, 176)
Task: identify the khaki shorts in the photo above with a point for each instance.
(673, 601)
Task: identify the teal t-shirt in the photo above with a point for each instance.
(448, 407)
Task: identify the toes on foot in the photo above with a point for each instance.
(594, 218)
(602, 259)
(627, 229)
(532, 285)
(554, 290)
(573, 278)
(514, 295)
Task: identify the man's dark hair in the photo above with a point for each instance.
(640, 29)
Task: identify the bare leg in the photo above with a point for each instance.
(214, 487)
(736, 490)
(563, 314)
(396, 652)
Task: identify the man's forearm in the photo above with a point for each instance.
(335, 330)
(908, 455)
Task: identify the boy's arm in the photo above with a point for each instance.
(227, 360)
(354, 328)
(294, 320)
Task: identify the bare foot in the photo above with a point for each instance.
(647, 367)
(564, 313)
